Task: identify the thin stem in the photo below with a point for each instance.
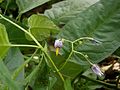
(83, 38)
(86, 57)
(67, 40)
(15, 74)
(18, 45)
(57, 70)
(67, 58)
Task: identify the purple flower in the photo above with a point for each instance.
(96, 70)
(58, 44)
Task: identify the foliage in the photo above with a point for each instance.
(41, 27)
(64, 11)
(88, 32)
(26, 5)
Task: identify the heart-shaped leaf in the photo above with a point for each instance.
(41, 27)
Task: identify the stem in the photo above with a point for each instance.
(18, 45)
(67, 40)
(67, 58)
(86, 57)
(83, 38)
(57, 70)
(100, 82)
(15, 74)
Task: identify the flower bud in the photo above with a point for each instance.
(96, 70)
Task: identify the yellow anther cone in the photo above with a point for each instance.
(57, 51)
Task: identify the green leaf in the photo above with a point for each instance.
(26, 5)
(40, 34)
(13, 60)
(101, 22)
(5, 77)
(41, 27)
(67, 10)
(4, 42)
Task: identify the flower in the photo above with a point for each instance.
(58, 44)
(96, 70)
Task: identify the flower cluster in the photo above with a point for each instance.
(95, 68)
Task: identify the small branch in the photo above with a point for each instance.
(86, 57)
(57, 70)
(87, 38)
(18, 45)
(67, 40)
(67, 58)
(83, 38)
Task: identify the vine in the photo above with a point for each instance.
(74, 51)
(39, 46)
